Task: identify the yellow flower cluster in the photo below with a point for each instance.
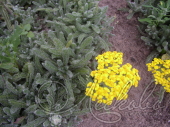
(111, 80)
(161, 72)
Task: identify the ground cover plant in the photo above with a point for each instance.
(155, 17)
(111, 79)
(155, 33)
(47, 51)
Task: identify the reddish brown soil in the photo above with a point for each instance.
(142, 108)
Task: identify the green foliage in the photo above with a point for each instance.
(4, 10)
(9, 47)
(136, 6)
(155, 22)
(158, 28)
(44, 72)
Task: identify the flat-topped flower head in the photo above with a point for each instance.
(161, 72)
(111, 79)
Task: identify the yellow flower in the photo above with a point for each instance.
(111, 79)
(161, 72)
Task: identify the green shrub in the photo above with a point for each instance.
(155, 22)
(136, 6)
(54, 65)
(158, 28)
(9, 47)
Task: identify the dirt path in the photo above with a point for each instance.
(141, 108)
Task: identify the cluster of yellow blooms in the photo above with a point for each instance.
(161, 72)
(111, 80)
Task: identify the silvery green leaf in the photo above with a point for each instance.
(5, 15)
(68, 21)
(2, 81)
(86, 7)
(46, 123)
(40, 81)
(45, 86)
(70, 90)
(36, 3)
(70, 74)
(58, 44)
(67, 29)
(30, 117)
(13, 70)
(103, 44)
(159, 49)
(62, 37)
(76, 14)
(14, 109)
(59, 63)
(16, 103)
(31, 108)
(10, 87)
(40, 112)
(96, 28)
(82, 62)
(35, 123)
(81, 37)
(50, 100)
(41, 54)
(83, 28)
(50, 66)
(147, 40)
(66, 52)
(7, 111)
(18, 76)
(47, 9)
(80, 112)
(6, 65)
(56, 52)
(82, 71)
(151, 56)
(76, 90)
(70, 16)
(88, 14)
(46, 47)
(30, 72)
(165, 45)
(86, 42)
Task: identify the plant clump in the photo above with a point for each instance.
(155, 28)
(161, 72)
(111, 79)
(46, 59)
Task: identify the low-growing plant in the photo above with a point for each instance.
(158, 28)
(9, 47)
(48, 88)
(136, 6)
(160, 68)
(6, 26)
(111, 79)
(155, 29)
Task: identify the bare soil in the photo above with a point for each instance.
(142, 108)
